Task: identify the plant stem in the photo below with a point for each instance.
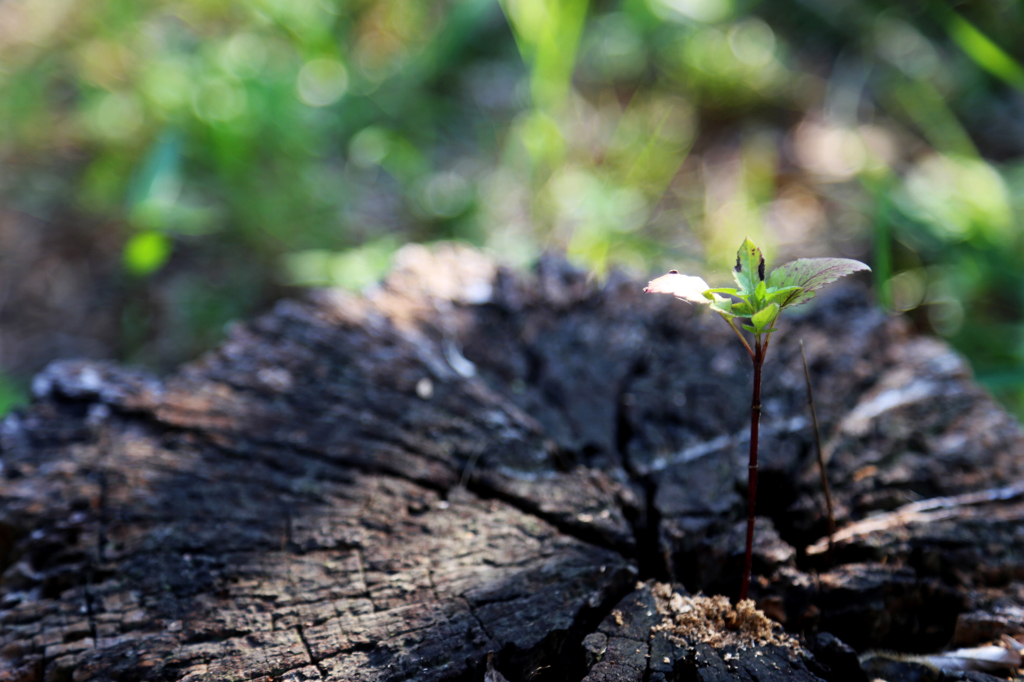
(755, 419)
(738, 334)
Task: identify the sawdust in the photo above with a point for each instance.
(715, 621)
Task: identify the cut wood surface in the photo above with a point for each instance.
(470, 461)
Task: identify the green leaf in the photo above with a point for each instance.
(742, 309)
(760, 290)
(749, 270)
(723, 305)
(763, 318)
(810, 274)
(722, 290)
(777, 295)
(750, 329)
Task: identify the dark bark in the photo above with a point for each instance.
(469, 461)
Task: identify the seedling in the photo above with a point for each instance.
(760, 300)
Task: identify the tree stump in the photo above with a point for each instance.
(469, 462)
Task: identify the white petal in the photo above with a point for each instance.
(685, 287)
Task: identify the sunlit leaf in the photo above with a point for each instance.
(723, 305)
(749, 270)
(763, 318)
(779, 295)
(810, 274)
(742, 309)
(686, 287)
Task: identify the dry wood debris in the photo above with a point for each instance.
(715, 621)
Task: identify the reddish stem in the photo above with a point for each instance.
(755, 419)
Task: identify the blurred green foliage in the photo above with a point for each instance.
(11, 394)
(301, 142)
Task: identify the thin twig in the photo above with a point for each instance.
(821, 458)
(474, 457)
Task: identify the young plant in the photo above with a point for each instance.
(760, 300)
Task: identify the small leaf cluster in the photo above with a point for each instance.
(756, 297)
(758, 301)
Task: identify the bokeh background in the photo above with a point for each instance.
(167, 167)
